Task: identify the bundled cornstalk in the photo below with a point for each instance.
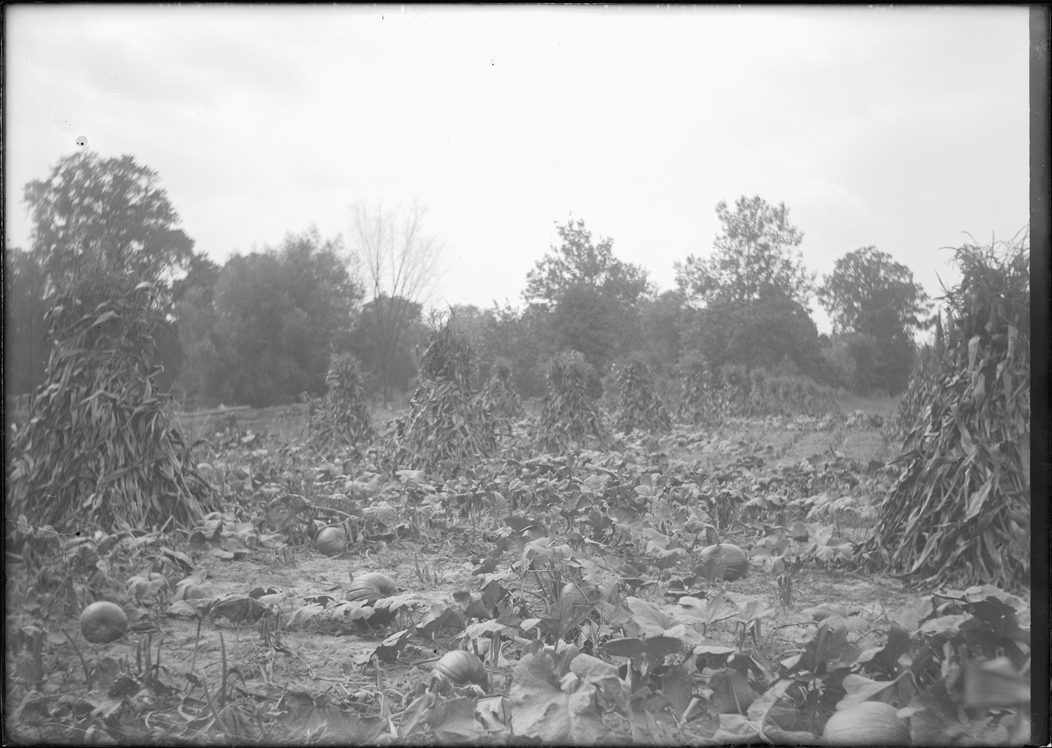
(924, 381)
(341, 419)
(499, 398)
(698, 406)
(447, 424)
(734, 387)
(960, 512)
(638, 406)
(570, 417)
(761, 400)
(100, 449)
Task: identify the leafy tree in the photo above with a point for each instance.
(578, 261)
(93, 220)
(202, 274)
(396, 370)
(522, 338)
(585, 320)
(401, 262)
(107, 216)
(760, 334)
(753, 259)
(195, 314)
(593, 298)
(662, 322)
(750, 296)
(278, 316)
(871, 295)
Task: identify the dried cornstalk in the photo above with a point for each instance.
(638, 406)
(569, 415)
(960, 512)
(100, 449)
(341, 419)
(447, 425)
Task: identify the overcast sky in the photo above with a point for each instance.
(900, 128)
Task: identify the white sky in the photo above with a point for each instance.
(900, 128)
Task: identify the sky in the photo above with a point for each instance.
(901, 128)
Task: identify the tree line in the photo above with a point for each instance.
(261, 329)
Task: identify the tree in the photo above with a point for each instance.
(760, 334)
(578, 261)
(522, 338)
(663, 321)
(279, 314)
(593, 299)
(369, 339)
(871, 295)
(195, 314)
(104, 216)
(585, 320)
(401, 262)
(753, 259)
(202, 274)
(750, 297)
(93, 220)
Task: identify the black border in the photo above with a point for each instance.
(1040, 289)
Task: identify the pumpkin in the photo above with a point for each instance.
(332, 541)
(868, 723)
(103, 622)
(371, 587)
(461, 668)
(723, 561)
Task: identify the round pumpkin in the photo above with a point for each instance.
(371, 587)
(868, 723)
(332, 541)
(103, 622)
(723, 561)
(461, 668)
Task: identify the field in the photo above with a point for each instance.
(597, 597)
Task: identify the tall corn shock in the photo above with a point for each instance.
(570, 417)
(638, 406)
(447, 425)
(341, 419)
(698, 406)
(960, 511)
(101, 449)
(500, 399)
